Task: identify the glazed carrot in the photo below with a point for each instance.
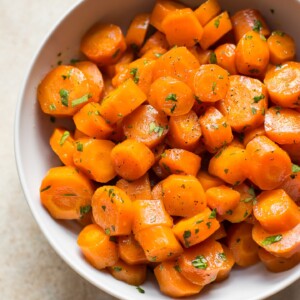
(92, 153)
(227, 265)
(270, 158)
(63, 91)
(159, 243)
(282, 47)
(245, 103)
(211, 83)
(179, 161)
(117, 135)
(103, 44)
(252, 54)
(62, 143)
(215, 130)
(108, 87)
(222, 198)
(146, 125)
(131, 274)
(183, 195)
(121, 101)
(207, 10)
(94, 76)
(137, 189)
(182, 28)
(282, 126)
(291, 185)
(277, 264)
(196, 229)
(154, 53)
(132, 159)
(161, 9)
(157, 39)
(66, 193)
(157, 191)
(276, 211)
(238, 141)
(246, 20)
(293, 151)
(78, 135)
(172, 283)
(112, 210)
(203, 56)
(184, 131)
(137, 30)
(130, 250)
(201, 264)
(224, 56)
(97, 247)
(220, 233)
(252, 133)
(89, 121)
(158, 151)
(208, 181)
(283, 84)
(171, 96)
(228, 164)
(241, 244)
(281, 244)
(148, 213)
(215, 30)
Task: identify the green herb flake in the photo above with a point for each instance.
(117, 269)
(200, 262)
(173, 108)
(263, 38)
(163, 155)
(80, 100)
(140, 290)
(153, 258)
(213, 58)
(226, 171)
(258, 98)
(213, 214)
(67, 76)
(271, 240)
(252, 197)
(85, 209)
(52, 107)
(199, 221)
(171, 97)
(217, 22)
(257, 26)
(278, 109)
(177, 268)
(45, 188)
(253, 110)
(208, 224)
(229, 212)
(64, 97)
(64, 137)
(187, 234)
(213, 88)
(107, 231)
(103, 207)
(153, 127)
(79, 147)
(295, 168)
(224, 125)
(158, 55)
(134, 73)
(222, 256)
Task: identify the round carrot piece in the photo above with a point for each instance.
(211, 83)
(66, 193)
(227, 265)
(171, 96)
(208, 181)
(157, 39)
(112, 210)
(132, 159)
(97, 247)
(103, 44)
(207, 10)
(225, 57)
(252, 133)
(291, 185)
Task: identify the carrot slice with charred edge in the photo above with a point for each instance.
(201, 264)
(252, 133)
(131, 251)
(139, 189)
(208, 181)
(184, 131)
(282, 126)
(207, 10)
(97, 247)
(179, 161)
(220, 233)
(282, 47)
(63, 91)
(215, 130)
(157, 39)
(148, 213)
(291, 185)
(281, 244)
(222, 198)
(183, 195)
(276, 211)
(245, 103)
(278, 264)
(211, 83)
(132, 159)
(121, 101)
(215, 30)
(137, 30)
(90, 154)
(89, 122)
(227, 265)
(159, 243)
(66, 193)
(246, 20)
(293, 151)
(283, 84)
(182, 28)
(171, 96)
(103, 44)
(194, 230)
(225, 57)
(62, 143)
(270, 158)
(146, 125)
(228, 164)
(112, 210)
(131, 274)
(172, 283)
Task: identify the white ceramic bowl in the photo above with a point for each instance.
(34, 156)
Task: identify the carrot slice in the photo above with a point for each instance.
(207, 10)
(208, 181)
(293, 151)
(252, 133)
(227, 265)
(157, 39)
(291, 185)
(225, 57)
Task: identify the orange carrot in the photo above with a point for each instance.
(157, 39)
(291, 185)
(227, 265)
(252, 133)
(207, 10)
(293, 151)
(208, 181)
(224, 56)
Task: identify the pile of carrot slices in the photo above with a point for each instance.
(184, 151)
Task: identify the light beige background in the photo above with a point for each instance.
(29, 268)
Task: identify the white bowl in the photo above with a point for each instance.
(34, 156)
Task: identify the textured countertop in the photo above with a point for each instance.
(29, 268)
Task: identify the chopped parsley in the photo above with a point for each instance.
(64, 97)
(79, 147)
(173, 108)
(107, 231)
(213, 214)
(158, 55)
(258, 98)
(200, 262)
(64, 137)
(80, 100)
(208, 224)
(253, 110)
(217, 22)
(186, 235)
(45, 188)
(52, 106)
(278, 109)
(117, 269)
(213, 88)
(140, 290)
(252, 197)
(257, 26)
(295, 168)
(271, 240)
(177, 268)
(222, 256)
(134, 73)
(85, 209)
(153, 127)
(213, 58)
(171, 97)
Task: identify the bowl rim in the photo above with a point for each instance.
(17, 153)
